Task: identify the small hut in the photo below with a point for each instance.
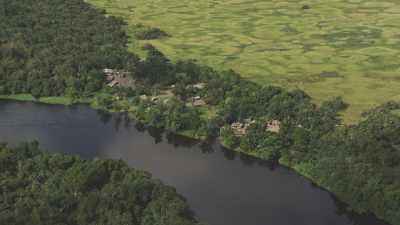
(154, 99)
(199, 102)
(239, 129)
(273, 126)
(113, 83)
(118, 78)
(199, 86)
(143, 97)
(108, 71)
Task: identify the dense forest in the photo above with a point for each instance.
(361, 163)
(60, 48)
(41, 188)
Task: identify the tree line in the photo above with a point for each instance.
(41, 188)
(359, 163)
(60, 47)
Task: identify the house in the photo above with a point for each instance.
(199, 86)
(273, 126)
(120, 76)
(166, 93)
(154, 99)
(237, 125)
(249, 121)
(240, 129)
(113, 83)
(109, 77)
(199, 102)
(143, 97)
(108, 71)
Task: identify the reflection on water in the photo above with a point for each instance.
(223, 187)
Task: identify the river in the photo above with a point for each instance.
(221, 186)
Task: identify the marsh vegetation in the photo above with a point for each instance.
(292, 44)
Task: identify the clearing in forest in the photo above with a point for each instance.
(327, 48)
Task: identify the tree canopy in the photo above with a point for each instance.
(58, 47)
(41, 188)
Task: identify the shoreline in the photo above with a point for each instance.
(54, 100)
(67, 101)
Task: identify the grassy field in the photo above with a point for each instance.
(54, 100)
(336, 47)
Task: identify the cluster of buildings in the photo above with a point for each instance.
(115, 78)
(240, 129)
(122, 78)
(118, 78)
(197, 101)
(273, 126)
(199, 86)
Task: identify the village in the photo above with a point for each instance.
(240, 128)
(120, 78)
(115, 78)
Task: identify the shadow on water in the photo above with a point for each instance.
(342, 209)
(207, 146)
(222, 186)
(104, 117)
(180, 141)
(210, 146)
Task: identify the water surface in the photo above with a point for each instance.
(221, 186)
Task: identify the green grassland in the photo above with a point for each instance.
(336, 47)
(53, 100)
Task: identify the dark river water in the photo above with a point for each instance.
(221, 186)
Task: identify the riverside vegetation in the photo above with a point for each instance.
(359, 163)
(39, 188)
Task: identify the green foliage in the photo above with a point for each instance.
(58, 47)
(210, 128)
(180, 117)
(156, 68)
(264, 144)
(361, 164)
(45, 54)
(40, 188)
(228, 138)
(148, 33)
(172, 114)
(292, 44)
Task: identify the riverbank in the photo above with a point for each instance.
(205, 174)
(68, 101)
(300, 169)
(53, 100)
